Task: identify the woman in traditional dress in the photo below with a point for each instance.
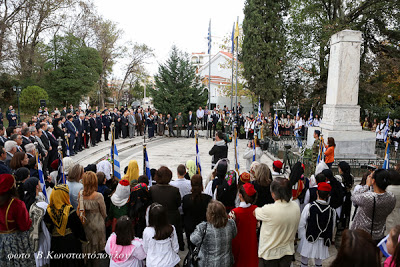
(65, 227)
(14, 226)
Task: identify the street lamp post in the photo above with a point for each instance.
(17, 89)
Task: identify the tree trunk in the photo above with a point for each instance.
(267, 107)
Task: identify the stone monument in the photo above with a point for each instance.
(341, 113)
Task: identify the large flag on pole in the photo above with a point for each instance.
(276, 125)
(236, 36)
(254, 148)
(147, 166)
(298, 112)
(198, 165)
(321, 150)
(67, 146)
(117, 172)
(387, 150)
(310, 120)
(41, 179)
(209, 38)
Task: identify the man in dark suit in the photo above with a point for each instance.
(106, 120)
(190, 127)
(2, 138)
(72, 134)
(93, 128)
(53, 143)
(3, 167)
(12, 118)
(139, 117)
(79, 125)
(124, 124)
(26, 134)
(86, 131)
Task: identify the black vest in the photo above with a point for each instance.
(320, 223)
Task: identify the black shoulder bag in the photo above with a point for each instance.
(192, 258)
(373, 217)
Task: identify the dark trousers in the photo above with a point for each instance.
(285, 261)
(106, 132)
(71, 143)
(190, 128)
(210, 128)
(124, 131)
(171, 130)
(93, 137)
(78, 142)
(117, 132)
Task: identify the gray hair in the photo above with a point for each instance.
(32, 129)
(281, 189)
(9, 145)
(30, 147)
(49, 127)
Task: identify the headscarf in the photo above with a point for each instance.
(231, 177)
(59, 207)
(30, 191)
(121, 194)
(105, 167)
(191, 167)
(132, 174)
(253, 165)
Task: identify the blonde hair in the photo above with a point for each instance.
(90, 183)
(262, 174)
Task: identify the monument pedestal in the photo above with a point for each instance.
(341, 113)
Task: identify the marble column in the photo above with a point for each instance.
(341, 113)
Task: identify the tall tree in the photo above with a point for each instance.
(264, 47)
(177, 87)
(73, 68)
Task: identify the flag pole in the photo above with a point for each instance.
(144, 158)
(209, 66)
(233, 64)
(237, 59)
(112, 146)
(236, 159)
(59, 148)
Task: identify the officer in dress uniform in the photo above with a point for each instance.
(315, 148)
(93, 128)
(106, 123)
(179, 124)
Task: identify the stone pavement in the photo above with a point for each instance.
(171, 152)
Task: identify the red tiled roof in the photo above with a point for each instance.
(226, 54)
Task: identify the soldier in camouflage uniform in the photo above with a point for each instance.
(266, 129)
(315, 149)
(179, 124)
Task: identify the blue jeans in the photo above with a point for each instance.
(298, 139)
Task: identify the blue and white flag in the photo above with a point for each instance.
(41, 179)
(61, 174)
(387, 157)
(147, 166)
(114, 156)
(209, 38)
(321, 151)
(382, 246)
(298, 112)
(259, 119)
(386, 129)
(254, 149)
(198, 165)
(276, 125)
(310, 120)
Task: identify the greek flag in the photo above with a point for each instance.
(259, 111)
(382, 246)
(209, 38)
(387, 153)
(147, 166)
(276, 125)
(115, 158)
(254, 148)
(298, 112)
(233, 39)
(41, 179)
(61, 174)
(321, 150)
(310, 120)
(198, 156)
(387, 128)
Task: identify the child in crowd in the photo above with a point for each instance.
(316, 227)
(160, 241)
(119, 203)
(393, 247)
(122, 246)
(244, 245)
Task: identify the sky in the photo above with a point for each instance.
(160, 24)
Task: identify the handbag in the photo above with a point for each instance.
(192, 258)
(81, 208)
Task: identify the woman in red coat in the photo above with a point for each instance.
(244, 245)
